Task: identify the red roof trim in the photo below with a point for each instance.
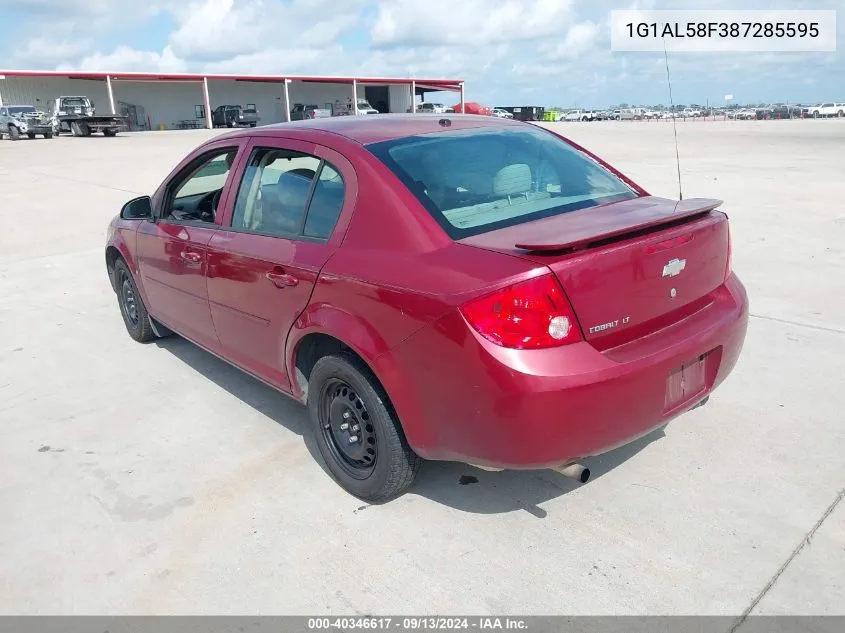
(128, 76)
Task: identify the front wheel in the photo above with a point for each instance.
(14, 133)
(48, 135)
(357, 431)
(132, 307)
(30, 135)
(109, 132)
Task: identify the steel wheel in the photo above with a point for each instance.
(128, 300)
(347, 429)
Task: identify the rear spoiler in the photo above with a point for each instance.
(579, 228)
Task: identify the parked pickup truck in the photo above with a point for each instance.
(234, 116)
(78, 116)
(310, 111)
(579, 115)
(828, 109)
(17, 120)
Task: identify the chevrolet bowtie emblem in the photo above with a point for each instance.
(674, 267)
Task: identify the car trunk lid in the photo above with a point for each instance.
(628, 268)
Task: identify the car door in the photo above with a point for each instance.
(278, 233)
(172, 249)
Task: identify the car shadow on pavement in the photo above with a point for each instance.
(472, 489)
(460, 486)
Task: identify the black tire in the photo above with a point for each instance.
(48, 135)
(132, 307)
(30, 134)
(109, 132)
(230, 124)
(342, 387)
(840, 114)
(14, 133)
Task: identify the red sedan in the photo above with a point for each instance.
(446, 287)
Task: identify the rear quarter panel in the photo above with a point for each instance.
(395, 271)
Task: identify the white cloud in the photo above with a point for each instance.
(213, 30)
(579, 39)
(46, 51)
(128, 59)
(467, 22)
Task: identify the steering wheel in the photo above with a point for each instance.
(215, 200)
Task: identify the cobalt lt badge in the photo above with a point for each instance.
(674, 267)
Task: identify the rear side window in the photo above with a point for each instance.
(288, 194)
(479, 180)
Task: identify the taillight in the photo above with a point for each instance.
(529, 315)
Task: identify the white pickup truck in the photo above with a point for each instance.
(579, 115)
(828, 109)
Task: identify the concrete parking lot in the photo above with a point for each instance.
(157, 479)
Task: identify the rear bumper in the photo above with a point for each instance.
(462, 398)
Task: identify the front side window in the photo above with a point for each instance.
(288, 194)
(196, 196)
(478, 180)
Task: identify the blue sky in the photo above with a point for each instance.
(509, 52)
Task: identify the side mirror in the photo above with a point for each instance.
(140, 208)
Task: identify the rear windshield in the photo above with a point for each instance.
(478, 180)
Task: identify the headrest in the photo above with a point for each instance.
(293, 187)
(512, 180)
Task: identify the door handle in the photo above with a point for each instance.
(191, 256)
(280, 278)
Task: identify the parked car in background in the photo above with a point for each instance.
(302, 111)
(778, 111)
(484, 292)
(343, 107)
(578, 115)
(234, 116)
(502, 114)
(691, 113)
(746, 114)
(17, 121)
(631, 114)
(829, 109)
(431, 108)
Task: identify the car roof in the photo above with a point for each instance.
(374, 128)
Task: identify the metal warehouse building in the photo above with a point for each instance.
(159, 101)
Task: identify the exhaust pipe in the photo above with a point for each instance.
(575, 471)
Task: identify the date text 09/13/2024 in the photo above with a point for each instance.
(420, 623)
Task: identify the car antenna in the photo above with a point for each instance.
(674, 124)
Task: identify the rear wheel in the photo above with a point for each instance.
(30, 134)
(132, 307)
(48, 135)
(357, 432)
(109, 132)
